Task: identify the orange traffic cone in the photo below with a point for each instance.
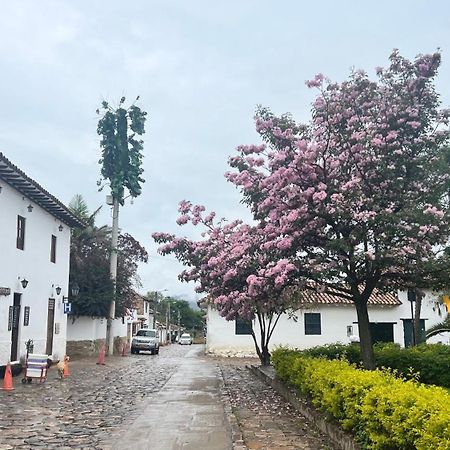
(66, 372)
(101, 356)
(7, 380)
(125, 349)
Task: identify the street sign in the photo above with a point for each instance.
(67, 308)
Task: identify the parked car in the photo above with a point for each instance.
(145, 339)
(185, 339)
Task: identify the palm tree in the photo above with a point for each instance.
(89, 266)
(442, 327)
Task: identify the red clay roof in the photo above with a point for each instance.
(376, 299)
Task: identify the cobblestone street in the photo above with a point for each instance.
(266, 420)
(97, 406)
(82, 410)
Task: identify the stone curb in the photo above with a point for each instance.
(236, 433)
(340, 438)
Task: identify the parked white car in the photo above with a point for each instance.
(185, 339)
(145, 339)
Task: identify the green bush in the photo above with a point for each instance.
(429, 363)
(383, 411)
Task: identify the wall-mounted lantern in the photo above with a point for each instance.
(23, 282)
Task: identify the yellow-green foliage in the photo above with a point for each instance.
(383, 411)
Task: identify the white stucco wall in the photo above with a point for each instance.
(32, 263)
(86, 328)
(221, 337)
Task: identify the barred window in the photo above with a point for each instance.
(243, 326)
(312, 323)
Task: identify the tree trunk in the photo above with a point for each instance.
(265, 356)
(365, 338)
(258, 351)
(266, 327)
(417, 310)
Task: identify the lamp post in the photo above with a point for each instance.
(157, 297)
(168, 323)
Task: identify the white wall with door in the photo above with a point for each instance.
(37, 311)
(35, 246)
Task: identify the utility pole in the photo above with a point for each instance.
(113, 272)
(168, 323)
(178, 332)
(120, 130)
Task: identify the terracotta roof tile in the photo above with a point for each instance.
(377, 298)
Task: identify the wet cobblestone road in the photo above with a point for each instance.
(265, 419)
(92, 407)
(84, 409)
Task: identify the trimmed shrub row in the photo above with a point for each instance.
(381, 410)
(429, 363)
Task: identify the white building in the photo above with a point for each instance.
(34, 266)
(86, 335)
(326, 319)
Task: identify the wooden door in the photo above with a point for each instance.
(50, 326)
(15, 323)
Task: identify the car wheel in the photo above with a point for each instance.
(152, 352)
(157, 351)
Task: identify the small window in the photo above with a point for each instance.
(312, 323)
(53, 249)
(243, 326)
(20, 242)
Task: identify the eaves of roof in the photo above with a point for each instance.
(17, 179)
(325, 298)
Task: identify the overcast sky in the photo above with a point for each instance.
(200, 67)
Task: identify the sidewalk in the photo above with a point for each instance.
(187, 413)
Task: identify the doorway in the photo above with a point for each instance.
(50, 326)
(15, 323)
(408, 332)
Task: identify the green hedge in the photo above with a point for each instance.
(381, 410)
(429, 363)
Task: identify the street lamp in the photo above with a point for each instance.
(74, 291)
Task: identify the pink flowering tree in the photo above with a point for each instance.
(232, 266)
(356, 199)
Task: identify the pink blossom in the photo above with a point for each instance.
(285, 243)
(183, 220)
(434, 212)
(377, 141)
(316, 82)
(319, 196)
